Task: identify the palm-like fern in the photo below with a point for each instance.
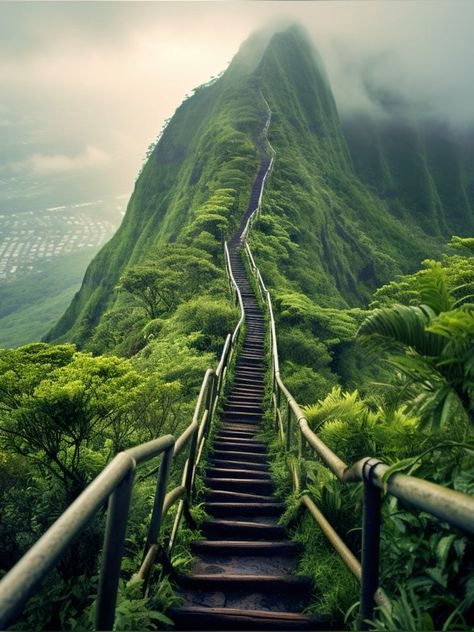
(431, 345)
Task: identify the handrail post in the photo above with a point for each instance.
(210, 397)
(300, 445)
(288, 426)
(116, 526)
(161, 485)
(370, 543)
(275, 413)
(188, 481)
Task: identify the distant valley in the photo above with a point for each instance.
(43, 257)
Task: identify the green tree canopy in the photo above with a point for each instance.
(68, 412)
(172, 275)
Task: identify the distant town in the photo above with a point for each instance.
(28, 239)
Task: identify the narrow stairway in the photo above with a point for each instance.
(242, 573)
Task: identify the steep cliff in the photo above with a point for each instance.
(344, 210)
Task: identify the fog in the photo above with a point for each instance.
(85, 87)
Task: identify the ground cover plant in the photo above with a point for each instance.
(341, 259)
(417, 418)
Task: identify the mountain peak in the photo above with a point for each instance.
(254, 48)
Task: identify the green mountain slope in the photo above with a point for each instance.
(343, 210)
(208, 146)
(336, 239)
(31, 305)
(421, 170)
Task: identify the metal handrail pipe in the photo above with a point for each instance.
(184, 438)
(334, 463)
(295, 477)
(276, 360)
(202, 435)
(262, 284)
(21, 581)
(455, 508)
(202, 428)
(340, 546)
(161, 485)
(448, 505)
(239, 295)
(171, 497)
(175, 527)
(150, 449)
(253, 265)
(147, 564)
(202, 391)
(225, 349)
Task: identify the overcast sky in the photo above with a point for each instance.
(86, 86)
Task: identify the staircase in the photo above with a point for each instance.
(242, 575)
(265, 164)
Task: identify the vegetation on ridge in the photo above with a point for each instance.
(417, 417)
(154, 303)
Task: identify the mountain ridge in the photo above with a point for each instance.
(325, 231)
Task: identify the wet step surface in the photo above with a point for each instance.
(243, 573)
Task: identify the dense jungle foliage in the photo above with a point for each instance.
(378, 351)
(414, 410)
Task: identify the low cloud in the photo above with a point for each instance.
(50, 164)
(80, 76)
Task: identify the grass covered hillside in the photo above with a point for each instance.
(193, 189)
(376, 349)
(337, 240)
(336, 224)
(422, 171)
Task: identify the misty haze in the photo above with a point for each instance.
(87, 87)
(236, 316)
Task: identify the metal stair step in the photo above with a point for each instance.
(235, 434)
(245, 582)
(240, 454)
(241, 465)
(234, 426)
(242, 406)
(249, 445)
(241, 417)
(238, 497)
(246, 547)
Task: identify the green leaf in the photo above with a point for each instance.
(159, 616)
(399, 466)
(437, 575)
(443, 548)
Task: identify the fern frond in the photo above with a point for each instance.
(405, 325)
(337, 405)
(433, 287)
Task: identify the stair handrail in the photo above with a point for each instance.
(113, 485)
(254, 215)
(448, 505)
(236, 292)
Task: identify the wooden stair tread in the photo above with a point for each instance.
(222, 581)
(245, 616)
(239, 496)
(246, 547)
